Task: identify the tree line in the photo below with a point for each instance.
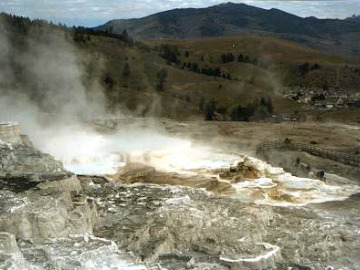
(208, 71)
(307, 67)
(82, 34)
(22, 25)
(259, 109)
(242, 58)
(172, 55)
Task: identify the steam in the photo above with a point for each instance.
(85, 151)
(42, 71)
(46, 86)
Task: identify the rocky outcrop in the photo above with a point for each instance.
(74, 252)
(181, 227)
(22, 167)
(51, 219)
(167, 222)
(41, 202)
(11, 257)
(38, 215)
(169, 227)
(10, 132)
(39, 199)
(17, 160)
(77, 252)
(242, 171)
(8, 243)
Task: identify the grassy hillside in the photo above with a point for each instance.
(184, 91)
(185, 79)
(329, 35)
(281, 50)
(279, 58)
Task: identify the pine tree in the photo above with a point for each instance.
(126, 70)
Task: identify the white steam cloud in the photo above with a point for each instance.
(46, 87)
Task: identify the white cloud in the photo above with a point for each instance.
(94, 12)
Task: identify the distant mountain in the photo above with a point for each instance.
(227, 19)
(354, 18)
(341, 37)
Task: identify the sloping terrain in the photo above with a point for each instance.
(178, 79)
(92, 222)
(329, 35)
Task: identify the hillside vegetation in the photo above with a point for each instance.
(333, 36)
(230, 78)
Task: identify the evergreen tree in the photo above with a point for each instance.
(162, 75)
(125, 36)
(241, 58)
(210, 109)
(108, 81)
(126, 70)
(269, 105)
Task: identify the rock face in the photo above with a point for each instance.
(10, 132)
(39, 200)
(52, 219)
(75, 252)
(178, 223)
(10, 255)
(182, 227)
(23, 167)
(169, 227)
(43, 214)
(8, 243)
(20, 159)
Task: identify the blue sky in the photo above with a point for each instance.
(96, 12)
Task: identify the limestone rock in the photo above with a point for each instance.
(10, 132)
(8, 243)
(34, 216)
(181, 227)
(77, 252)
(11, 257)
(21, 159)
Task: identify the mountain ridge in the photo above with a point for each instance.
(237, 15)
(230, 19)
